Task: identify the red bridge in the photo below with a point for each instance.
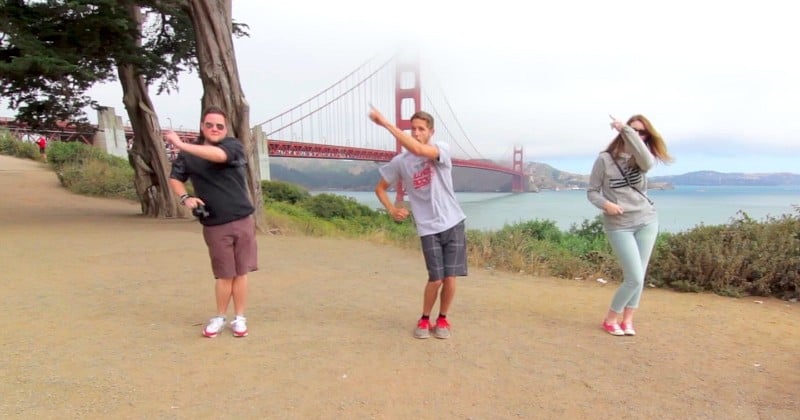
(334, 123)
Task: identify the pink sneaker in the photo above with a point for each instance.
(442, 329)
(613, 328)
(628, 329)
(423, 329)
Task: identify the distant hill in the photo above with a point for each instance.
(710, 178)
(546, 177)
(323, 174)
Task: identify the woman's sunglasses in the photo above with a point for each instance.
(209, 126)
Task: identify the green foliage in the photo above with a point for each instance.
(10, 145)
(403, 233)
(60, 154)
(98, 178)
(332, 206)
(283, 192)
(84, 169)
(744, 257)
(288, 217)
(52, 52)
(326, 214)
(542, 230)
(591, 230)
(539, 247)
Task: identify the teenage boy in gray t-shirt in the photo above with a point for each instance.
(425, 170)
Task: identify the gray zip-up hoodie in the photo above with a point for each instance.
(606, 183)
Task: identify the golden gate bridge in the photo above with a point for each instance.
(334, 123)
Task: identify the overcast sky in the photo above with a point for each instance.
(720, 80)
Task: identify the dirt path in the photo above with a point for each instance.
(103, 312)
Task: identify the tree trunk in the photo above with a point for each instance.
(148, 154)
(213, 28)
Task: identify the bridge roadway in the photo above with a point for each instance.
(276, 148)
(282, 148)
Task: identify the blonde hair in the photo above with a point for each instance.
(654, 142)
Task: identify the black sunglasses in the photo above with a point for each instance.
(642, 133)
(209, 126)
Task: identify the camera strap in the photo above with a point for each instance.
(627, 181)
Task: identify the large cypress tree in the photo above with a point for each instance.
(52, 52)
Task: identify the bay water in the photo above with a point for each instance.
(679, 209)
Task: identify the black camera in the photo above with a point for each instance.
(200, 212)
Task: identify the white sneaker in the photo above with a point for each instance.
(239, 326)
(628, 329)
(215, 325)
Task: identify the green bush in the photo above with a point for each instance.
(97, 178)
(540, 230)
(331, 206)
(291, 217)
(12, 146)
(64, 153)
(283, 192)
(744, 257)
(84, 169)
(539, 247)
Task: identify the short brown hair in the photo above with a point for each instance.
(213, 110)
(424, 116)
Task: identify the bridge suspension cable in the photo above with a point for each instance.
(323, 92)
(474, 153)
(337, 116)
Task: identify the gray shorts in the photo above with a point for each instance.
(232, 247)
(445, 253)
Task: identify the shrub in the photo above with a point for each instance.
(331, 206)
(12, 146)
(289, 218)
(84, 169)
(535, 247)
(283, 192)
(744, 257)
(542, 230)
(98, 178)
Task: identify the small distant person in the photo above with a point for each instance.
(426, 173)
(618, 186)
(216, 165)
(42, 143)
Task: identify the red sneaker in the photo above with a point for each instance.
(423, 329)
(442, 329)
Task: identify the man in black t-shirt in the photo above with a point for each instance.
(217, 167)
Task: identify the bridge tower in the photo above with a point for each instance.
(407, 90)
(518, 179)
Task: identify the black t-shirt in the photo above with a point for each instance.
(222, 186)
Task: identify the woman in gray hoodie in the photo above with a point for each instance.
(618, 186)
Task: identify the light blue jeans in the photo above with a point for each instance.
(632, 247)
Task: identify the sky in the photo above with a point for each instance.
(718, 79)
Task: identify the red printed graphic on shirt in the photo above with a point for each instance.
(423, 177)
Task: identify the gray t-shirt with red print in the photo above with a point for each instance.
(429, 186)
